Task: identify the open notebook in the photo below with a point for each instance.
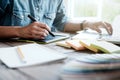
(33, 54)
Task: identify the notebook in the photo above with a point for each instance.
(33, 54)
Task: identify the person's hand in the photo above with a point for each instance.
(35, 30)
(97, 25)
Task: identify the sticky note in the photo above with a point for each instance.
(63, 44)
(106, 47)
(75, 44)
(87, 44)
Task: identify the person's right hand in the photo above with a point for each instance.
(35, 30)
(97, 25)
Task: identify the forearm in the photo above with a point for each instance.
(72, 27)
(8, 32)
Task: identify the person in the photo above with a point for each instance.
(50, 16)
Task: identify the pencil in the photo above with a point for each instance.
(33, 19)
(21, 55)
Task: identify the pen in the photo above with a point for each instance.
(21, 55)
(33, 19)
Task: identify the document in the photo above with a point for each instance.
(32, 54)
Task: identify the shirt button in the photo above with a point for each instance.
(22, 17)
(37, 8)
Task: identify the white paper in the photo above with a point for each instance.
(33, 53)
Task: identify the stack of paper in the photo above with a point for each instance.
(93, 45)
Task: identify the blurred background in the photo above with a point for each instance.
(105, 10)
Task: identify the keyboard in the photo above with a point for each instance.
(112, 39)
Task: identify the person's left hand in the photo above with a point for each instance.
(97, 25)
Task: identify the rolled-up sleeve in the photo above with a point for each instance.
(3, 5)
(61, 17)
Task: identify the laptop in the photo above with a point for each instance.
(91, 34)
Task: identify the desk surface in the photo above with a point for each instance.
(49, 71)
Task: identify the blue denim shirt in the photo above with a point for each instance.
(51, 12)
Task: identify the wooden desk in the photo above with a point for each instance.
(48, 71)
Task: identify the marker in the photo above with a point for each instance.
(33, 19)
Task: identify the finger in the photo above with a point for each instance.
(48, 28)
(44, 31)
(42, 34)
(39, 29)
(94, 27)
(44, 26)
(98, 30)
(109, 28)
(39, 33)
(37, 37)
